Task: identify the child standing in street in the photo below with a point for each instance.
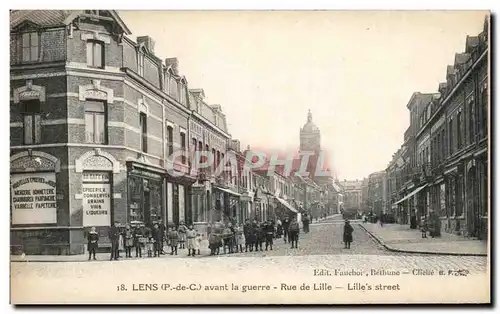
(173, 238)
(150, 245)
(197, 243)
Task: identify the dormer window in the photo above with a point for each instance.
(140, 66)
(30, 43)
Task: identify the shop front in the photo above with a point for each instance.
(226, 204)
(36, 205)
(145, 197)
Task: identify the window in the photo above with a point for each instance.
(484, 112)
(182, 94)
(443, 144)
(95, 122)
(32, 121)
(144, 131)
(472, 121)
(450, 137)
(29, 45)
(170, 140)
(95, 54)
(459, 129)
(183, 146)
(214, 160)
(140, 66)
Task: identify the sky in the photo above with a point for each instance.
(355, 71)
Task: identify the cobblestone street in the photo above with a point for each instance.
(321, 249)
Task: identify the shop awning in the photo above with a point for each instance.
(286, 204)
(227, 191)
(411, 194)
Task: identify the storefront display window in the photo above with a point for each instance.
(145, 197)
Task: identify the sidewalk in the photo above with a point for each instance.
(105, 256)
(400, 238)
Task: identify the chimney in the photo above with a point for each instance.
(148, 42)
(174, 63)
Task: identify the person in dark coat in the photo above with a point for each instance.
(163, 234)
(138, 241)
(260, 236)
(305, 223)
(269, 234)
(114, 237)
(286, 226)
(347, 234)
(294, 230)
(248, 237)
(157, 236)
(92, 245)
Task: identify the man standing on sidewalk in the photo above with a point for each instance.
(114, 237)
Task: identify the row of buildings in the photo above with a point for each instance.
(442, 165)
(94, 117)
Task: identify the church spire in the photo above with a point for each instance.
(309, 116)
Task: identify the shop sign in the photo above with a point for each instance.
(34, 198)
(96, 199)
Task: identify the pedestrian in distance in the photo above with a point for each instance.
(269, 234)
(163, 233)
(114, 237)
(129, 241)
(214, 243)
(239, 238)
(182, 235)
(190, 236)
(158, 237)
(197, 243)
(347, 234)
(279, 229)
(286, 227)
(173, 238)
(139, 241)
(150, 245)
(424, 226)
(227, 240)
(293, 231)
(246, 233)
(93, 239)
(260, 237)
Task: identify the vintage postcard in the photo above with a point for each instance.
(249, 157)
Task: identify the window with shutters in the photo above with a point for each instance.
(32, 121)
(30, 43)
(170, 140)
(95, 54)
(484, 112)
(95, 122)
(472, 121)
(144, 131)
(183, 147)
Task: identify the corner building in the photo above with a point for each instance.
(94, 116)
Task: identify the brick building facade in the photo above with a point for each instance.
(94, 116)
(446, 158)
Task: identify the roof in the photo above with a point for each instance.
(42, 18)
(461, 58)
(450, 70)
(50, 18)
(471, 42)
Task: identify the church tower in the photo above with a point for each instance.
(310, 138)
(310, 141)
